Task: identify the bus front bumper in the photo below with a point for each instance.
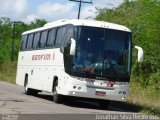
(98, 93)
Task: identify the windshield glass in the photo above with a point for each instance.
(102, 53)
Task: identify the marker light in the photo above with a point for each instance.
(120, 92)
(124, 92)
(74, 87)
(79, 88)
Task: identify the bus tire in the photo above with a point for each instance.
(56, 97)
(103, 104)
(27, 90)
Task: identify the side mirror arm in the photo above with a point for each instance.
(140, 54)
(73, 47)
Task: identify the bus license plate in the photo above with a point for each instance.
(99, 93)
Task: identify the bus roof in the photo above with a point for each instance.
(77, 22)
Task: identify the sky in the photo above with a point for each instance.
(51, 10)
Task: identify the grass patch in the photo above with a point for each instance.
(144, 99)
(8, 72)
(144, 96)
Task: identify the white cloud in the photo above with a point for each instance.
(91, 12)
(107, 3)
(20, 9)
(30, 18)
(53, 11)
(20, 6)
(14, 9)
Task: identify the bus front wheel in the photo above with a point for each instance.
(56, 97)
(27, 90)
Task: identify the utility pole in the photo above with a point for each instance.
(80, 4)
(13, 39)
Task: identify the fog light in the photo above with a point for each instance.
(74, 87)
(79, 88)
(73, 93)
(123, 98)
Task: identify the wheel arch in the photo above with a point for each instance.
(25, 79)
(55, 78)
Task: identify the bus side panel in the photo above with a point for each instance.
(41, 67)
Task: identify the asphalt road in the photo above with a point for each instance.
(15, 105)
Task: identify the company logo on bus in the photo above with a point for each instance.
(112, 83)
(43, 57)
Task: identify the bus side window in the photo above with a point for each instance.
(60, 36)
(51, 37)
(43, 39)
(24, 42)
(36, 40)
(69, 35)
(30, 41)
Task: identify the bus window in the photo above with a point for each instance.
(70, 34)
(51, 37)
(36, 40)
(30, 41)
(60, 36)
(43, 39)
(24, 42)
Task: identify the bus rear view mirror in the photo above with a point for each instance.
(73, 47)
(140, 54)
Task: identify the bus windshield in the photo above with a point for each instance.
(102, 53)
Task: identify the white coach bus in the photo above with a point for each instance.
(81, 58)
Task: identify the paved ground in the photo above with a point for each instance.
(15, 105)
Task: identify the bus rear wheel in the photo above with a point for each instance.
(56, 97)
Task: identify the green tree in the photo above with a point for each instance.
(6, 34)
(37, 23)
